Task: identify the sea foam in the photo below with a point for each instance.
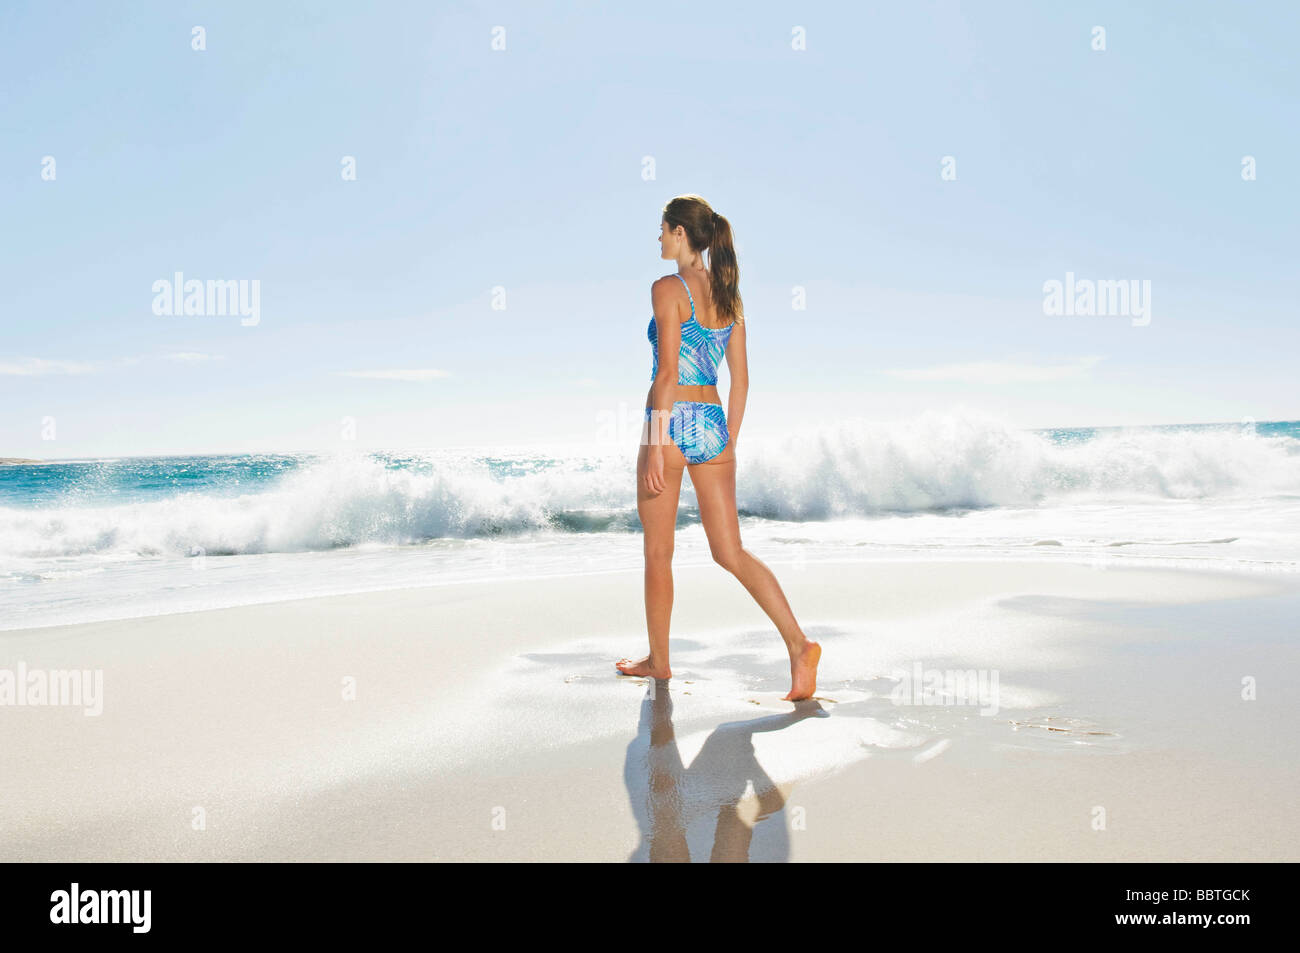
(934, 463)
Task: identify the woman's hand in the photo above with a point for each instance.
(652, 474)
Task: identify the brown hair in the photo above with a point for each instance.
(705, 228)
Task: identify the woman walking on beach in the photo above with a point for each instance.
(697, 321)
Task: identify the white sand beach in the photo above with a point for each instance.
(489, 724)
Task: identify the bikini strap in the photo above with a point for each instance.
(689, 295)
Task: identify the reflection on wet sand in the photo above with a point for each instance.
(668, 798)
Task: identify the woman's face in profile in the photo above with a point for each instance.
(667, 241)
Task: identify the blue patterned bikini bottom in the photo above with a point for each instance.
(698, 429)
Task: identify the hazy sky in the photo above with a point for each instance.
(523, 169)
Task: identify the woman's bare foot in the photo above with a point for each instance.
(803, 672)
(643, 667)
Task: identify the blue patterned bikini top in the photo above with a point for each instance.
(701, 351)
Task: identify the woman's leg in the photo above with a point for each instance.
(658, 512)
(715, 489)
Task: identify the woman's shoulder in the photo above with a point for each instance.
(673, 280)
(663, 290)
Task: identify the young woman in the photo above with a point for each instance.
(697, 320)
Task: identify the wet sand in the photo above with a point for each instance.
(484, 721)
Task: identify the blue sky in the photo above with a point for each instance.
(522, 169)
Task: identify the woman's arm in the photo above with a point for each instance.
(668, 332)
(738, 374)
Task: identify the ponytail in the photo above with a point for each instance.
(706, 229)
(724, 272)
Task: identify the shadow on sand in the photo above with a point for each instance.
(671, 800)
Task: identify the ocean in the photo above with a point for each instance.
(96, 539)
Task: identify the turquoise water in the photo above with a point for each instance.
(85, 539)
(76, 483)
